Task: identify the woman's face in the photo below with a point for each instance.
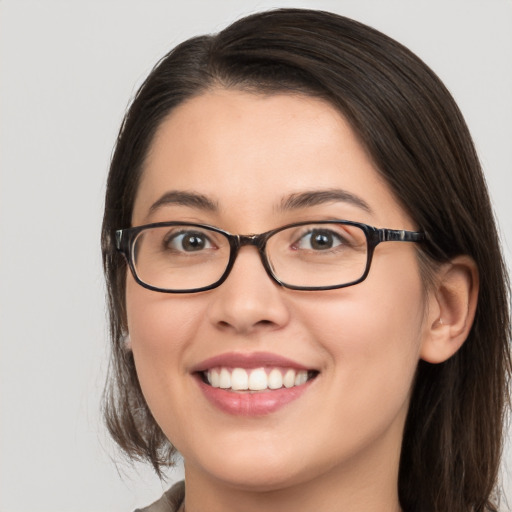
(248, 154)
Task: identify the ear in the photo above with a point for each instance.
(452, 306)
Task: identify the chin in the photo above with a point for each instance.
(263, 470)
(259, 479)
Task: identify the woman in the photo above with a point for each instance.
(306, 290)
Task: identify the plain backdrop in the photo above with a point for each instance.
(68, 70)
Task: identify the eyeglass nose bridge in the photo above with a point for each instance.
(258, 241)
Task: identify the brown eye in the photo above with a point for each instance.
(188, 241)
(319, 240)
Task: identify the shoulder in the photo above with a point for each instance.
(170, 501)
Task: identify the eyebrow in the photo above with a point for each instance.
(315, 198)
(184, 198)
(292, 202)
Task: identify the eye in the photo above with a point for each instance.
(319, 240)
(188, 241)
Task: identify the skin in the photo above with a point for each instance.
(339, 443)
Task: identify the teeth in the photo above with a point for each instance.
(289, 379)
(275, 379)
(258, 380)
(301, 378)
(240, 379)
(224, 379)
(214, 378)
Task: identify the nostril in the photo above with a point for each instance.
(265, 322)
(223, 324)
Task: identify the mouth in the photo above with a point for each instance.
(253, 384)
(256, 379)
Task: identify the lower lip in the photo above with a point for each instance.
(251, 404)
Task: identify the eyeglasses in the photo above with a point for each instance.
(182, 257)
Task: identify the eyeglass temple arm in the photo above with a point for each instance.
(400, 235)
(119, 237)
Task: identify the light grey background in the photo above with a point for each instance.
(68, 69)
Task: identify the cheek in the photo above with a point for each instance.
(160, 327)
(372, 334)
(159, 321)
(368, 318)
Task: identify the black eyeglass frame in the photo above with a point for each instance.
(374, 236)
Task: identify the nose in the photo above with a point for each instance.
(249, 301)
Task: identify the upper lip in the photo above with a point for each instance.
(248, 361)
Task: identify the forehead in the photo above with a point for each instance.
(248, 152)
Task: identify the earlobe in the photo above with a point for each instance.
(452, 307)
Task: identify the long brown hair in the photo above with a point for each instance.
(419, 142)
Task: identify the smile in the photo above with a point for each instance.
(252, 384)
(256, 379)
